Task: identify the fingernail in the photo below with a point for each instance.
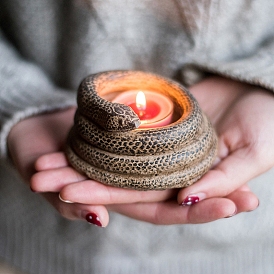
(65, 201)
(233, 214)
(216, 162)
(32, 189)
(92, 218)
(193, 199)
(258, 204)
(256, 207)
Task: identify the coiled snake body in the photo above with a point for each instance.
(105, 145)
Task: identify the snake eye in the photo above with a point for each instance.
(119, 109)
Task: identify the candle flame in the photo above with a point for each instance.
(141, 102)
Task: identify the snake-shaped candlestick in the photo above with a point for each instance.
(106, 145)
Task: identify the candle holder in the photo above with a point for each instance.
(106, 145)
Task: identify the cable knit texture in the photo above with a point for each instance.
(48, 46)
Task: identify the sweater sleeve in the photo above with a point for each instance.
(25, 91)
(257, 68)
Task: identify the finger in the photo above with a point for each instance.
(97, 215)
(92, 192)
(232, 172)
(54, 180)
(51, 161)
(244, 199)
(168, 213)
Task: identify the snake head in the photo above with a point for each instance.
(122, 118)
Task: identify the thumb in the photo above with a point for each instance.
(230, 174)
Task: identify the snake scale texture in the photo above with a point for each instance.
(106, 145)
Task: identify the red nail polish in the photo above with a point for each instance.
(190, 200)
(92, 218)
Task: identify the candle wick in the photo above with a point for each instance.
(141, 107)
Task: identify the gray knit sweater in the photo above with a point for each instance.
(48, 46)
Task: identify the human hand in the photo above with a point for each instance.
(39, 135)
(243, 118)
(42, 137)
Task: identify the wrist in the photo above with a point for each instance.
(37, 122)
(216, 94)
(36, 136)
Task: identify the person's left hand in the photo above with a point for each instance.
(243, 118)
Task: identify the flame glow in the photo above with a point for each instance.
(141, 101)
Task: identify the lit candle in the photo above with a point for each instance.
(154, 109)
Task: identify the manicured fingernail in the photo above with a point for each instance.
(190, 200)
(65, 201)
(193, 199)
(92, 218)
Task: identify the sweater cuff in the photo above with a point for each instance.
(28, 112)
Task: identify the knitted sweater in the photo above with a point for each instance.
(48, 46)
